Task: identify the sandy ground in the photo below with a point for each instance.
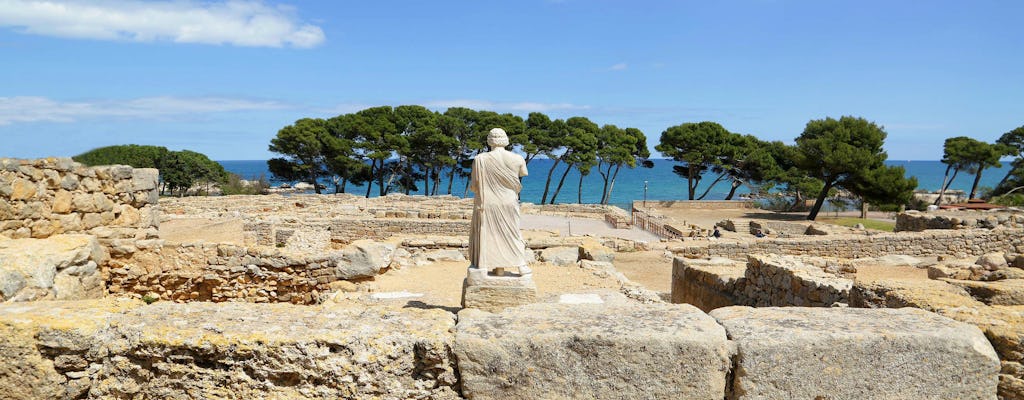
(194, 229)
(582, 226)
(648, 268)
(440, 284)
(876, 272)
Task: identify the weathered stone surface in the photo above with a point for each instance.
(444, 255)
(496, 293)
(227, 350)
(561, 255)
(815, 230)
(614, 350)
(992, 261)
(890, 259)
(596, 252)
(22, 189)
(708, 284)
(144, 179)
(847, 353)
(59, 267)
(928, 294)
(1007, 292)
(363, 259)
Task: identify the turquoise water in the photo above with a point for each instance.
(661, 182)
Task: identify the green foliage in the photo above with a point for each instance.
(697, 146)
(618, 147)
(1013, 142)
(1012, 200)
(302, 145)
(179, 170)
(150, 298)
(847, 153)
(235, 185)
(138, 156)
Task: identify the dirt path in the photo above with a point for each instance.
(648, 268)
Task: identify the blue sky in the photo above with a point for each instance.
(222, 77)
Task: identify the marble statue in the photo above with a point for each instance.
(495, 242)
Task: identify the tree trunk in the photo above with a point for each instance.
(437, 181)
(369, 182)
(426, 182)
(948, 184)
(547, 184)
(451, 176)
(974, 187)
(604, 176)
(608, 196)
(312, 179)
(718, 179)
(735, 185)
(691, 187)
(942, 188)
(568, 167)
(863, 209)
(579, 191)
(344, 182)
(818, 203)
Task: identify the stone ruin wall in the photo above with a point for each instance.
(52, 196)
(961, 243)
(761, 281)
(916, 221)
(694, 204)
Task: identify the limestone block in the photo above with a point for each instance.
(992, 261)
(6, 210)
(815, 230)
(63, 266)
(496, 293)
(444, 255)
(69, 181)
(615, 350)
(144, 179)
(62, 202)
(596, 252)
(850, 353)
(225, 351)
(561, 255)
(1007, 292)
(363, 258)
(928, 294)
(22, 189)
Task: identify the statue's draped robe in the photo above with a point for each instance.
(495, 241)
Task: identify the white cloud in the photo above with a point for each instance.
(524, 106)
(41, 109)
(236, 22)
(619, 67)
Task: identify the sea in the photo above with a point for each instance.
(657, 183)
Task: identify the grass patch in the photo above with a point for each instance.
(868, 223)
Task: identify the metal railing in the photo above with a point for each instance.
(654, 225)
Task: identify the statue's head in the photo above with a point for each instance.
(497, 138)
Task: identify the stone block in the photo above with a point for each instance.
(596, 252)
(561, 255)
(362, 259)
(927, 294)
(1007, 292)
(496, 293)
(614, 350)
(850, 353)
(224, 351)
(61, 266)
(22, 189)
(144, 179)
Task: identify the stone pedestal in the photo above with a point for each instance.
(494, 293)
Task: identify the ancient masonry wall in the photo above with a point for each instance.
(46, 197)
(693, 204)
(961, 244)
(917, 222)
(222, 272)
(763, 281)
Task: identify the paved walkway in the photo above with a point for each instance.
(583, 226)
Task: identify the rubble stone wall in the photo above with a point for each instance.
(960, 243)
(51, 196)
(917, 221)
(763, 281)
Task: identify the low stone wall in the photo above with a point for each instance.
(51, 196)
(694, 204)
(764, 280)
(778, 227)
(222, 272)
(961, 244)
(914, 221)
